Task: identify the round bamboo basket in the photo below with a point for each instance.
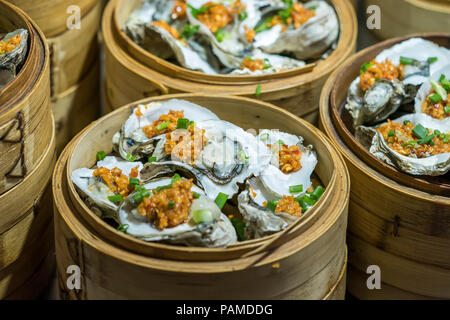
(403, 230)
(26, 231)
(416, 16)
(52, 15)
(307, 261)
(25, 114)
(76, 107)
(132, 73)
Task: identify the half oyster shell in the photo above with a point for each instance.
(11, 61)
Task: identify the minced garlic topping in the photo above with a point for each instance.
(163, 24)
(380, 71)
(288, 205)
(253, 64)
(436, 110)
(10, 45)
(289, 158)
(170, 207)
(116, 180)
(401, 138)
(185, 145)
(173, 116)
(216, 16)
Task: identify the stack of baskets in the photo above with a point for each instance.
(74, 60)
(27, 157)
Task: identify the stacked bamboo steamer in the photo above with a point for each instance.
(398, 222)
(133, 73)
(307, 261)
(27, 156)
(416, 16)
(74, 66)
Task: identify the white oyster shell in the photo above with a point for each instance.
(11, 61)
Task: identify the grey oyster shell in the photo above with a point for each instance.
(10, 62)
(435, 165)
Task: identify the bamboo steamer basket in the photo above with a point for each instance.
(76, 107)
(402, 229)
(52, 15)
(315, 245)
(132, 73)
(417, 16)
(25, 114)
(26, 231)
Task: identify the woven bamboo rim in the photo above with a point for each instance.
(350, 70)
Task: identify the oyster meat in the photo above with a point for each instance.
(402, 68)
(13, 51)
(415, 143)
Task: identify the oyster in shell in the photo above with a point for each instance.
(95, 191)
(309, 40)
(420, 161)
(423, 102)
(229, 157)
(385, 99)
(218, 232)
(11, 61)
(131, 139)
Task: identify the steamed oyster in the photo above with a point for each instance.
(149, 123)
(104, 188)
(277, 196)
(306, 31)
(217, 153)
(433, 97)
(415, 143)
(391, 79)
(175, 211)
(13, 50)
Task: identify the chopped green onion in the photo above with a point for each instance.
(192, 123)
(118, 198)
(220, 35)
(221, 199)
(432, 59)
(365, 67)
(171, 204)
(285, 14)
(239, 226)
(196, 195)
(420, 131)
(267, 64)
(437, 133)
(134, 182)
(202, 216)
(242, 155)
(195, 12)
(445, 83)
(258, 90)
(101, 155)
(406, 60)
(305, 201)
(123, 228)
(426, 140)
(410, 143)
(406, 122)
(176, 177)
(447, 109)
(391, 133)
(264, 25)
(296, 189)
(130, 157)
(183, 123)
(163, 187)
(189, 31)
(439, 89)
(318, 192)
(163, 125)
(243, 15)
(272, 205)
(280, 142)
(152, 159)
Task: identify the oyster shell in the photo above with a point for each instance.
(426, 88)
(131, 140)
(310, 40)
(384, 100)
(219, 233)
(95, 191)
(229, 157)
(434, 165)
(11, 61)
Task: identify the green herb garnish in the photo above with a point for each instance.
(118, 198)
(407, 61)
(391, 133)
(152, 159)
(130, 157)
(163, 125)
(221, 199)
(296, 189)
(101, 155)
(183, 123)
(258, 90)
(365, 67)
(420, 131)
(189, 31)
(123, 228)
(239, 226)
(432, 59)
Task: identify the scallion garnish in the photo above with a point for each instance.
(152, 159)
(264, 25)
(447, 109)
(183, 123)
(171, 204)
(365, 67)
(134, 182)
(130, 157)
(420, 131)
(318, 192)
(406, 60)
(391, 133)
(101, 155)
(410, 143)
(189, 31)
(196, 195)
(221, 199)
(435, 98)
(438, 88)
(432, 59)
(123, 228)
(118, 198)
(280, 142)
(426, 140)
(272, 205)
(176, 177)
(296, 189)
(258, 90)
(202, 216)
(163, 125)
(220, 35)
(243, 15)
(195, 12)
(406, 122)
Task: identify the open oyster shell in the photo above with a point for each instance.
(11, 61)
(432, 166)
(425, 90)
(131, 140)
(219, 233)
(384, 100)
(95, 191)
